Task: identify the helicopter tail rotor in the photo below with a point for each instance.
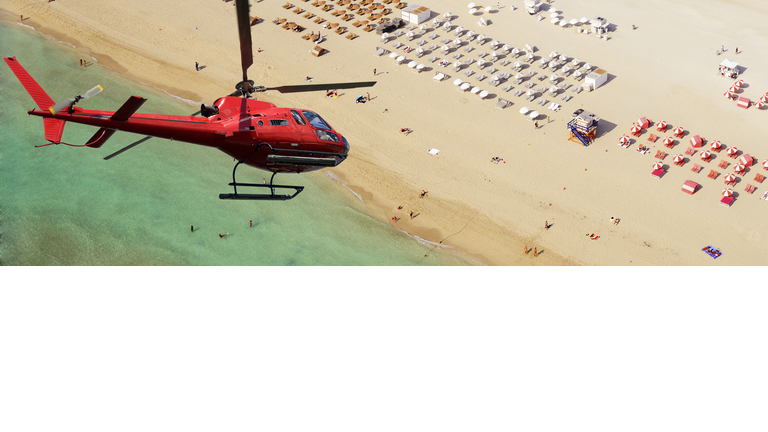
(69, 103)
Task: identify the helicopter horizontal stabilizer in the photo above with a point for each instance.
(129, 107)
(100, 137)
(39, 95)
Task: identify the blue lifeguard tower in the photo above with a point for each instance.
(582, 127)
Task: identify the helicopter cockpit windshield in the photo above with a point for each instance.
(315, 120)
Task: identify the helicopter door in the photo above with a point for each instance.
(306, 131)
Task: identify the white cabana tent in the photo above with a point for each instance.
(596, 78)
(729, 68)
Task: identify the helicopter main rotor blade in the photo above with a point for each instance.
(128, 147)
(244, 26)
(318, 87)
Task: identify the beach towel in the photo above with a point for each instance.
(433, 151)
(711, 251)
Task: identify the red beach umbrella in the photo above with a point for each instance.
(729, 178)
(732, 151)
(636, 129)
(705, 155)
(765, 164)
(759, 104)
(678, 158)
(678, 131)
(733, 89)
(658, 165)
(662, 125)
(739, 83)
(739, 168)
(716, 145)
(728, 94)
(727, 192)
(764, 98)
(624, 139)
(668, 141)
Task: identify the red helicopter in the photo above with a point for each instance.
(256, 133)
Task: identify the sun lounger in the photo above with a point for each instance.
(759, 178)
(680, 163)
(529, 84)
(439, 76)
(318, 20)
(351, 36)
(298, 10)
(690, 151)
(468, 49)
(531, 97)
(287, 6)
(421, 43)
(309, 15)
(713, 174)
(652, 138)
(696, 168)
(397, 45)
(469, 73)
(507, 88)
(326, 8)
(566, 98)
(433, 59)
(492, 70)
(380, 52)
(338, 12)
(657, 173)
(765, 196)
(503, 103)
(504, 62)
(368, 28)
(749, 188)
(518, 93)
(340, 30)
(727, 201)
(577, 90)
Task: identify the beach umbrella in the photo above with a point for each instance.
(423, 27)
(480, 62)
(494, 54)
(495, 43)
(553, 54)
(533, 114)
(739, 168)
(507, 48)
(471, 5)
(447, 25)
(729, 178)
(552, 64)
(739, 83)
(661, 125)
(457, 42)
(531, 92)
(668, 141)
(678, 158)
(393, 54)
(584, 20)
(563, 57)
(563, 23)
(624, 139)
(447, 15)
(727, 192)
(716, 145)
(458, 30)
(475, 90)
(732, 151)
(543, 61)
(518, 64)
(765, 164)
(553, 89)
(565, 69)
(464, 86)
(524, 110)
(728, 94)
(519, 76)
(705, 155)
(515, 50)
(555, 20)
(480, 37)
(574, 21)
(553, 15)
(553, 77)
(457, 64)
(472, 11)
(759, 104)
(587, 66)
(529, 56)
(764, 98)
(470, 34)
(658, 165)
(446, 48)
(679, 130)
(636, 129)
(575, 62)
(436, 21)
(410, 34)
(733, 89)
(577, 74)
(458, 81)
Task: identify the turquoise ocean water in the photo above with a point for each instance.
(61, 205)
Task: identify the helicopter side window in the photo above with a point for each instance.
(326, 136)
(278, 122)
(315, 120)
(297, 117)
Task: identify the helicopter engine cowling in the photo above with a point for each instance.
(208, 110)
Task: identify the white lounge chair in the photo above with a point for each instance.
(439, 76)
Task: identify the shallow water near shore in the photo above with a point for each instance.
(67, 206)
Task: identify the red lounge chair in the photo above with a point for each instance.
(730, 183)
(690, 151)
(759, 178)
(670, 145)
(660, 154)
(696, 168)
(723, 164)
(749, 188)
(657, 173)
(681, 163)
(652, 138)
(713, 174)
(727, 201)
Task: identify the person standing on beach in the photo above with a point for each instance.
(526, 250)
(411, 214)
(535, 252)
(535, 125)
(197, 66)
(192, 228)
(250, 223)
(22, 19)
(368, 97)
(546, 225)
(374, 72)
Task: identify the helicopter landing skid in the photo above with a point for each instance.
(263, 197)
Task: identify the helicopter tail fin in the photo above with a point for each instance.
(53, 127)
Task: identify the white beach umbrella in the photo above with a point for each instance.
(393, 54)
(519, 75)
(480, 37)
(457, 42)
(529, 56)
(483, 94)
(524, 111)
(518, 64)
(577, 74)
(624, 139)
(554, 77)
(446, 48)
(458, 30)
(678, 158)
(584, 20)
(765, 164)
(552, 64)
(574, 21)
(658, 165)
(457, 64)
(472, 11)
(447, 15)
(732, 151)
(563, 57)
(705, 155)
(436, 21)
(471, 33)
(506, 48)
(400, 59)
(727, 192)
(515, 50)
(553, 15)
(488, 8)
(495, 43)
(412, 64)
(480, 62)
(739, 168)
(716, 144)
(553, 89)
(423, 27)
(587, 66)
(575, 62)
(565, 69)
(533, 114)
(471, 5)
(563, 23)
(543, 61)
(554, 20)
(553, 54)
(420, 66)
(494, 54)
(457, 81)
(669, 140)
(465, 86)
(447, 25)
(531, 92)
(410, 34)
(384, 36)
(729, 178)
(475, 90)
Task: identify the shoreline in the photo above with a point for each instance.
(375, 206)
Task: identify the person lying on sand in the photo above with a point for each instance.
(406, 131)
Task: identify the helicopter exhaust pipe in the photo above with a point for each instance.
(208, 110)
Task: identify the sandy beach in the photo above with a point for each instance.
(666, 69)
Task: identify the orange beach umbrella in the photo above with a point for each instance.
(732, 151)
(705, 155)
(729, 177)
(678, 158)
(658, 165)
(739, 168)
(727, 192)
(728, 94)
(678, 130)
(668, 140)
(624, 139)
(636, 129)
(716, 145)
